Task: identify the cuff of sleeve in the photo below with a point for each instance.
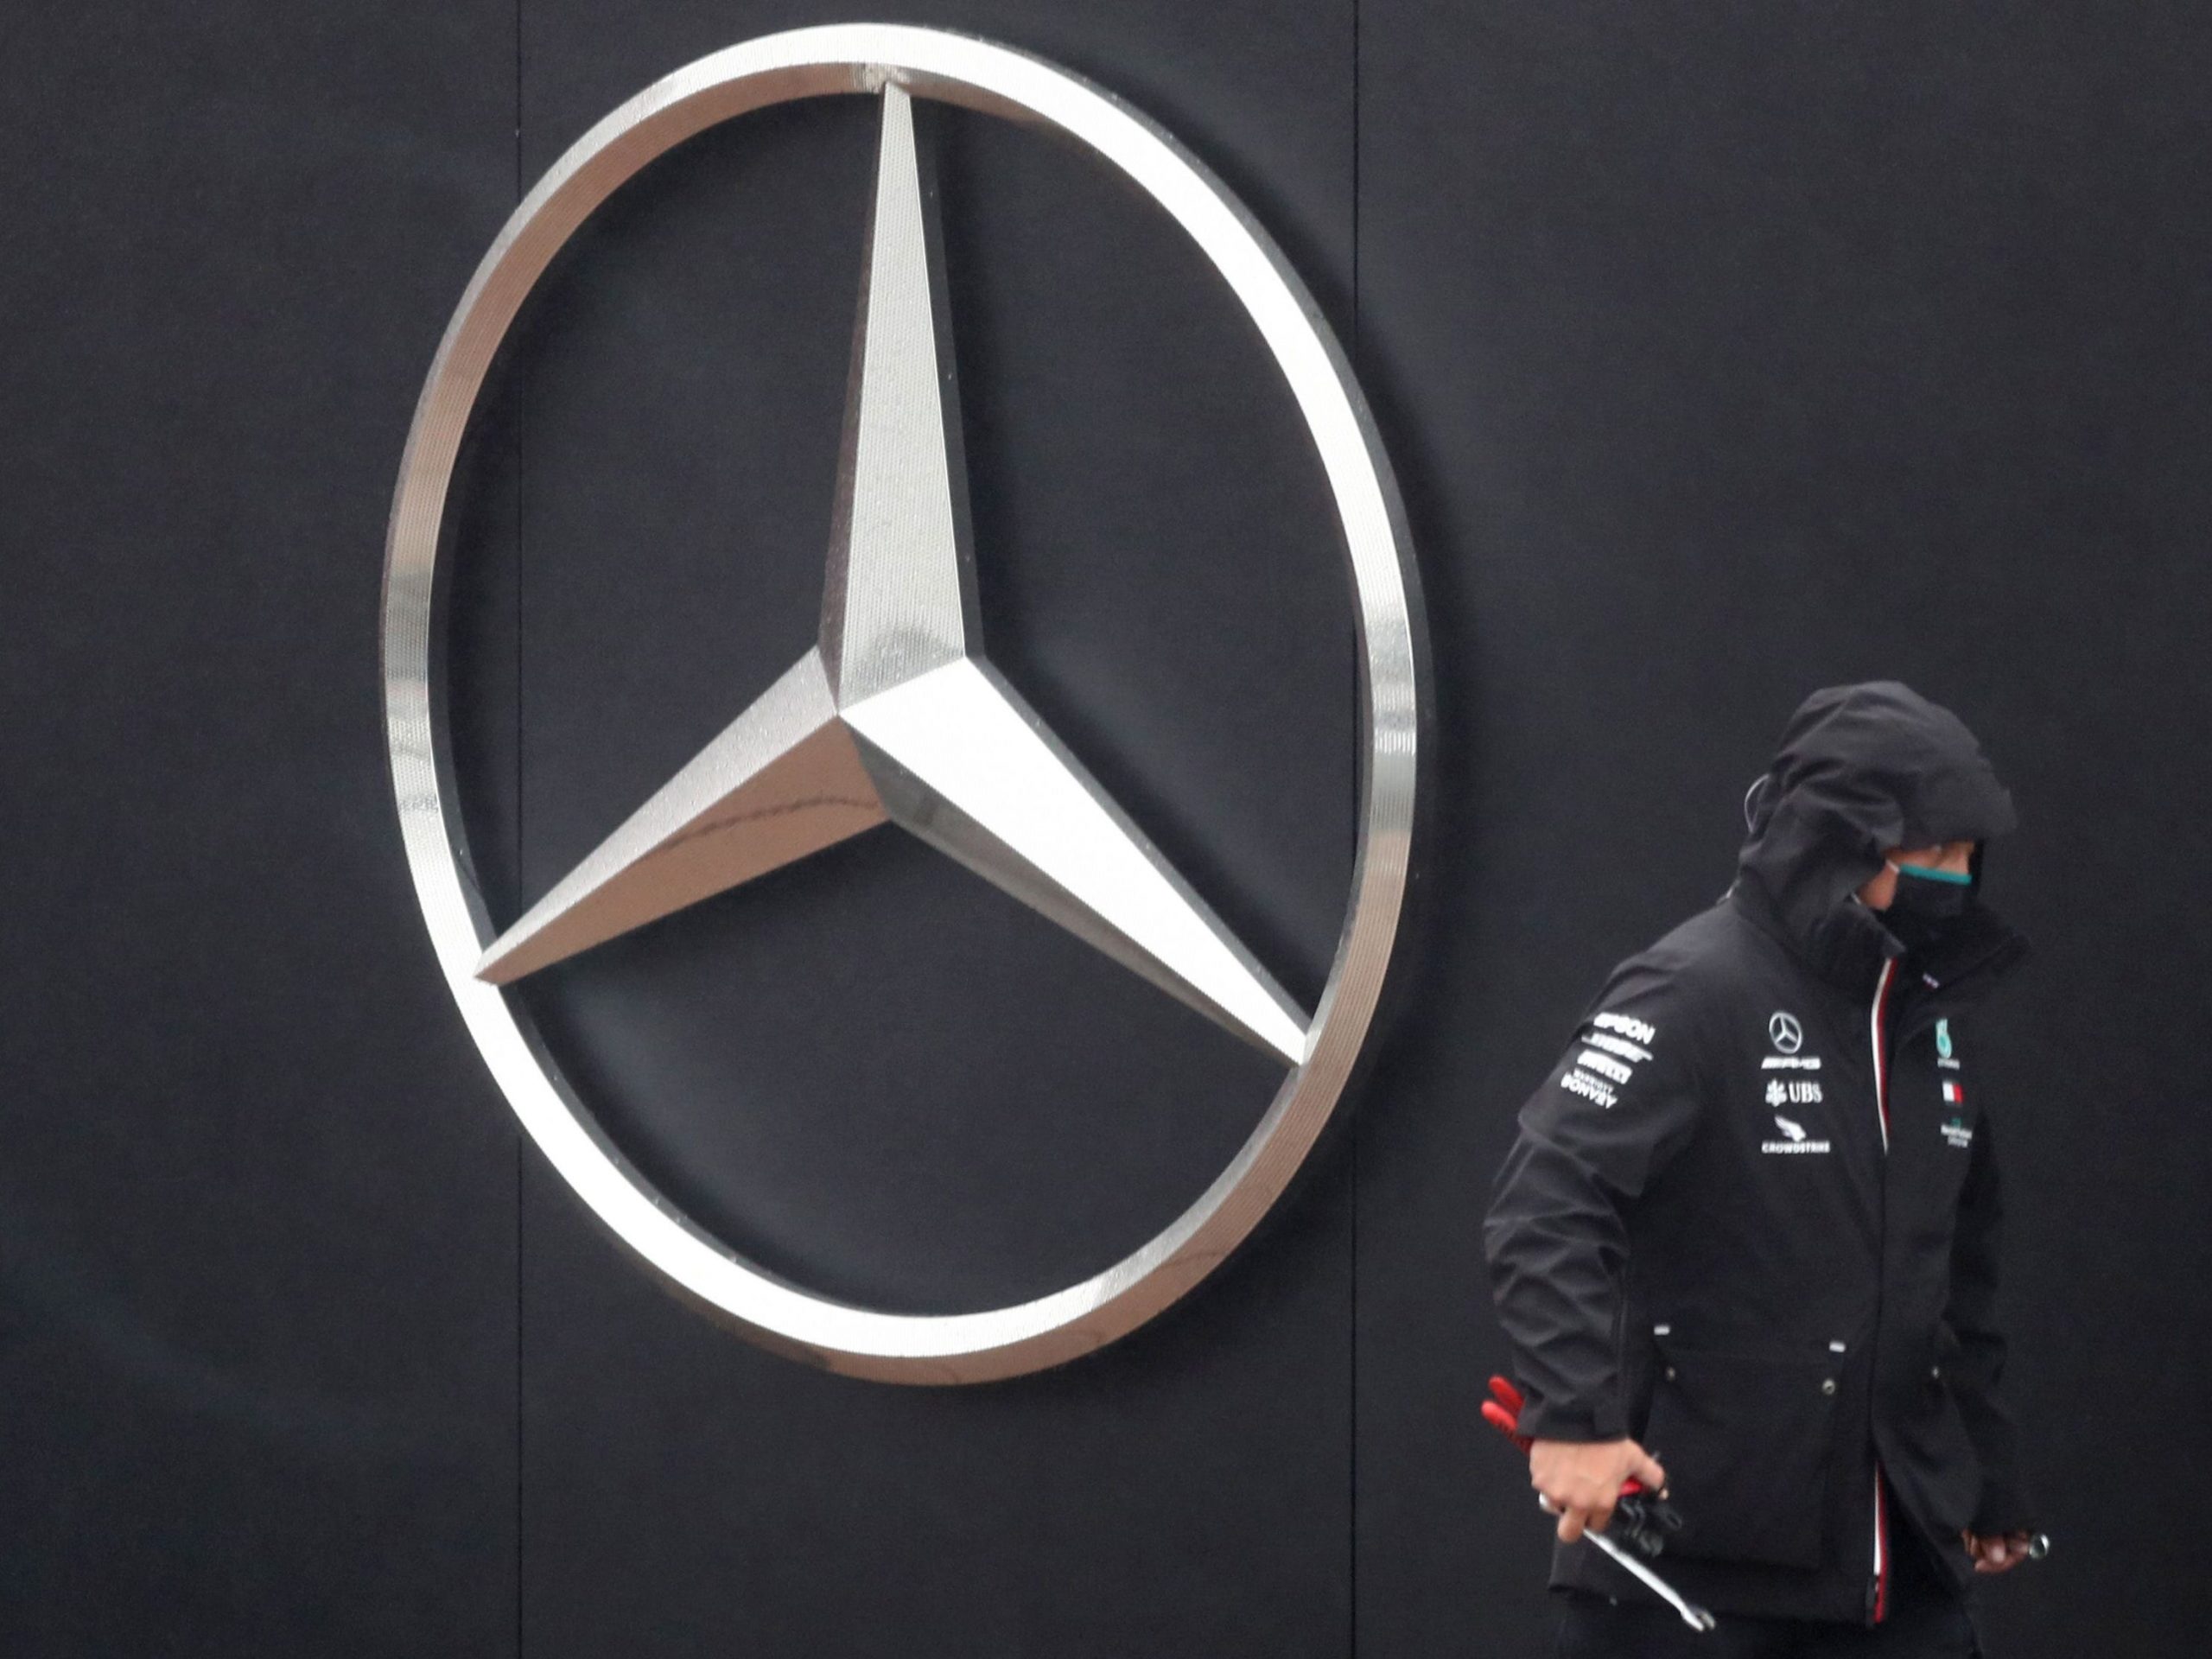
(1565, 1421)
(2003, 1507)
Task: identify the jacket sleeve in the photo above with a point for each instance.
(1977, 1368)
(1622, 1101)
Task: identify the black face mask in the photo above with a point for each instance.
(1925, 905)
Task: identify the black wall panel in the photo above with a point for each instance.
(1728, 353)
(256, 1206)
(1722, 354)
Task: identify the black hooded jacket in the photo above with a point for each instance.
(1750, 1219)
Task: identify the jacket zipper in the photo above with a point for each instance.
(1879, 1591)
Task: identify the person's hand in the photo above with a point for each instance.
(1581, 1480)
(1996, 1551)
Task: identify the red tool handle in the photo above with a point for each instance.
(1502, 1411)
(1505, 1423)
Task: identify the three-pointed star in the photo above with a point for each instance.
(894, 716)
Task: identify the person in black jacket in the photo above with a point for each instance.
(1745, 1245)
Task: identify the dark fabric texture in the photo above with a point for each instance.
(1927, 1618)
(1707, 1236)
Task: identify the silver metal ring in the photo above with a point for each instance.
(999, 80)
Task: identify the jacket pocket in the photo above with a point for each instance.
(1937, 1431)
(1745, 1439)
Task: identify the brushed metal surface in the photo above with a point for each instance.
(899, 599)
(895, 715)
(954, 753)
(780, 781)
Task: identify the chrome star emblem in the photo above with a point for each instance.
(895, 715)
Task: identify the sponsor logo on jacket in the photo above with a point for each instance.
(1614, 1043)
(1605, 1066)
(1796, 1140)
(1635, 1030)
(1581, 1082)
(1620, 1046)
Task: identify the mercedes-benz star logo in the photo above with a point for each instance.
(894, 716)
(1785, 1034)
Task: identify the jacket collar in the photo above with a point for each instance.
(1846, 946)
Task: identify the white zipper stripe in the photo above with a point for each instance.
(1878, 1540)
(1882, 1119)
(1881, 1068)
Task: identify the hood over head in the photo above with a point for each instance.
(1861, 769)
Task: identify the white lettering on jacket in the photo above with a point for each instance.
(1797, 1141)
(1626, 1024)
(1603, 1066)
(1581, 1082)
(1620, 1046)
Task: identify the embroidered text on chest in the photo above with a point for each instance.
(1796, 1138)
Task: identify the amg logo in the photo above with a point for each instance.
(1620, 1046)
